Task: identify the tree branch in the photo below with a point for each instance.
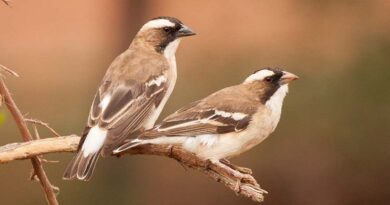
(246, 187)
(26, 135)
(235, 178)
(7, 2)
(8, 71)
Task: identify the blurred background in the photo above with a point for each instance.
(331, 147)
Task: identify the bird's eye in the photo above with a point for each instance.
(167, 29)
(268, 79)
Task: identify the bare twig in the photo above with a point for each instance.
(44, 124)
(7, 70)
(243, 187)
(36, 133)
(26, 135)
(7, 2)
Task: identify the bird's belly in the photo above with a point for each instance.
(214, 146)
(221, 146)
(211, 146)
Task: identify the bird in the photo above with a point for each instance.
(132, 94)
(227, 122)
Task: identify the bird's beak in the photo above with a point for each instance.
(287, 77)
(185, 31)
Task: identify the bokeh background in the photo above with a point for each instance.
(331, 147)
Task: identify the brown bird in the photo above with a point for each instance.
(132, 94)
(226, 123)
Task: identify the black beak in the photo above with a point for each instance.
(185, 31)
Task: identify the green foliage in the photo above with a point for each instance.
(2, 117)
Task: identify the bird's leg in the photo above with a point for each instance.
(235, 173)
(243, 170)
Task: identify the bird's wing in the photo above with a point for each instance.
(125, 107)
(218, 114)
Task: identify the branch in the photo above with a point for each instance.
(7, 2)
(8, 71)
(247, 187)
(26, 135)
(44, 124)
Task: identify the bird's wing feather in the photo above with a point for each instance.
(129, 106)
(216, 114)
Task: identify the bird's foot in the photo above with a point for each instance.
(237, 187)
(243, 170)
(242, 177)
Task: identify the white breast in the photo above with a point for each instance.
(169, 54)
(275, 103)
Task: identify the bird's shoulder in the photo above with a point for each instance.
(138, 65)
(232, 98)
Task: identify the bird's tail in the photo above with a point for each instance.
(133, 143)
(158, 140)
(83, 164)
(81, 167)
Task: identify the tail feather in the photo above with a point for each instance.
(128, 145)
(83, 164)
(157, 140)
(81, 167)
(86, 166)
(70, 171)
(113, 144)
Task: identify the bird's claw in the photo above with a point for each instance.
(237, 188)
(243, 170)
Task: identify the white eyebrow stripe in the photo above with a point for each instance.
(157, 23)
(260, 75)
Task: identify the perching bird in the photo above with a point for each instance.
(226, 123)
(132, 94)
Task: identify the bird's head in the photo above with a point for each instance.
(270, 82)
(163, 34)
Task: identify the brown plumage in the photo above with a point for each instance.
(235, 99)
(132, 94)
(226, 123)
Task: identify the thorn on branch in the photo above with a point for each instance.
(33, 176)
(36, 133)
(56, 189)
